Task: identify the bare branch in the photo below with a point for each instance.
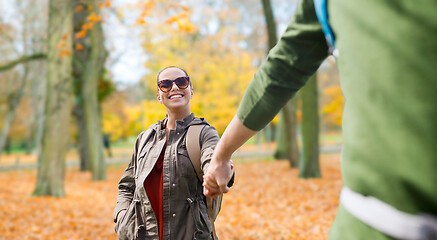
(22, 59)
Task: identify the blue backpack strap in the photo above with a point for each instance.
(321, 7)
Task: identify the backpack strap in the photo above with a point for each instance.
(321, 7)
(193, 148)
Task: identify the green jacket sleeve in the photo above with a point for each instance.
(298, 54)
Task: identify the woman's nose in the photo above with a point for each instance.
(174, 85)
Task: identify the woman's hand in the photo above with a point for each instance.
(220, 168)
(216, 179)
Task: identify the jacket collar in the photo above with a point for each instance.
(184, 123)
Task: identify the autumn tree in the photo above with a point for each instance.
(51, 169)
(89, 58)
(19, 75)
(217, 65)
(309, 163)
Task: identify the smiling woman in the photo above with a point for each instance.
(175, 92)
(161, 167)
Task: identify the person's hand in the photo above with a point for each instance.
(217, 177)
(120, 214)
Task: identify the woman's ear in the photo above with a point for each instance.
(191, 93)
(158, 97)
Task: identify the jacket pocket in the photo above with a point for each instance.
(203, 229)
(128, 227)
(125, 226)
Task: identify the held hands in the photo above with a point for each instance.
(220, 169)
(216, 179)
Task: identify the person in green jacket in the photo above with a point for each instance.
(387, 59)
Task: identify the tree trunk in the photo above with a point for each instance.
(286, 138)
(286, 131)
(82, 139)
(13, 102)
(51, 170)
(88, 70)
(80, 59)
(309, 164)
(270, 24)
(38, 96)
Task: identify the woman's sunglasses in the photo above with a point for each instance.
(166, 84)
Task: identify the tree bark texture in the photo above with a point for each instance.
(51, 170)
(309, 164)
(88, 69)
(38, 96)
(286, 138)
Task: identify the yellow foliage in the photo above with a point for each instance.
(152, 111)
(333, 110)
(219, 78)
(112, 124)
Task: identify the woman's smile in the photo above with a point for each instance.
(176, 96)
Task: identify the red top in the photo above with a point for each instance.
(154, 190)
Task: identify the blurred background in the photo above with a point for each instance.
(78, 84)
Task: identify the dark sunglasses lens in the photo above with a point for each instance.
(165, 85)
(181, 82)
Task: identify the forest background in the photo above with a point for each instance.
(112, 54)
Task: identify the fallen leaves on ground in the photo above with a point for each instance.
(268, 201)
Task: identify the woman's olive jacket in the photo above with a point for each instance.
(185, 215)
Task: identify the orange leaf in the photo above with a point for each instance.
(64, 36)
(140, 21)
(79, 47)
(64, 53)
(87, 26)
(108, 3)
(80, 34)
(90, 7)
(78, 8)
(94, 18)
(171, 20)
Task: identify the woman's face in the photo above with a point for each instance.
(176, 99)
